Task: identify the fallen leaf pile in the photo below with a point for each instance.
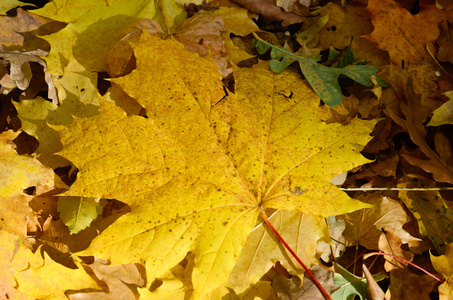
(143, 143)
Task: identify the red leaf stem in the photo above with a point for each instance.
(313, 278)
(406, 261)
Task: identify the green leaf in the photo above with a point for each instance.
(323, 80)
(333, 53)
(351, 285)
(78, 212)
(348, 59)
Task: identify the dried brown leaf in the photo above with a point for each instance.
(270, 11)
(373, 290)
(415, 114)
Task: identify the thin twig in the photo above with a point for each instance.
(397, 189)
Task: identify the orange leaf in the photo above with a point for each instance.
(403, 35)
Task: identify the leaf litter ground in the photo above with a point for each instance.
(226, 154)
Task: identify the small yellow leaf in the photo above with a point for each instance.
(7, 5)
(38, 277)
(34, 115)
(444, 114)
(18, 172)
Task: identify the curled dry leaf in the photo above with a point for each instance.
(20, 71)
(202, 34)
(235, 19)
(121, 281)
(20, 46)
(415, 114)
(373, 290)
(270, 11)
(445, 51)
(199, 34)
(390, 242)
(118, 62)
(299, 7)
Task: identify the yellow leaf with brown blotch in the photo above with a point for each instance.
(17, 173)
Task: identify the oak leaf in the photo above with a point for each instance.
(415, 113)
(324, 80)
(190, 190)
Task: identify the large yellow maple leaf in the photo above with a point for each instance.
(196, 171)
